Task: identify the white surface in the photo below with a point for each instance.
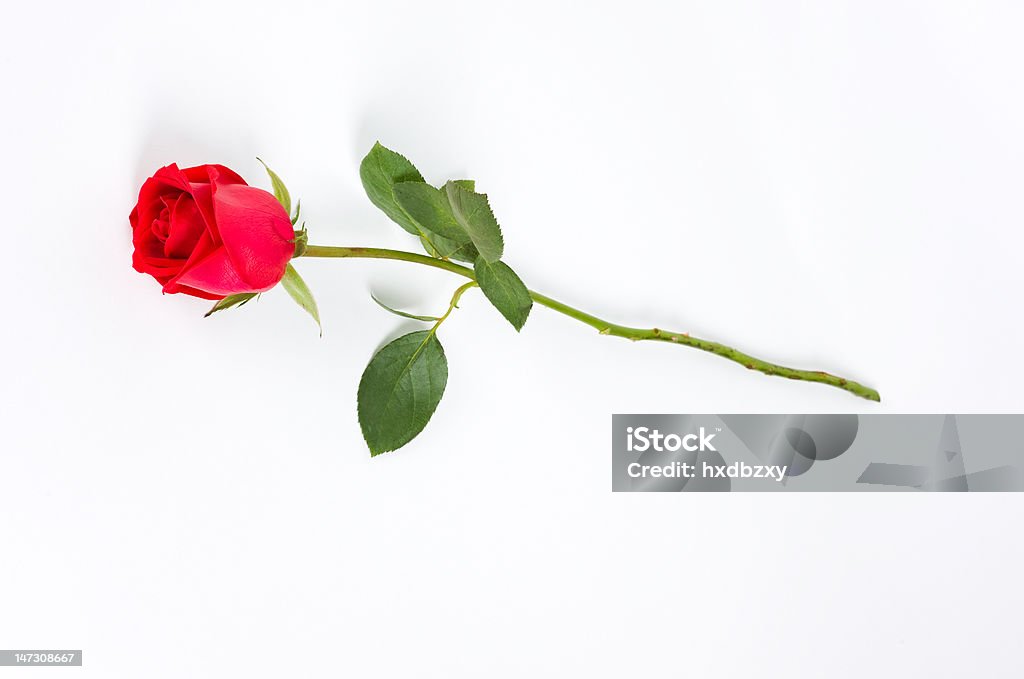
(834, 185)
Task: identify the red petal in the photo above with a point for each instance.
(187, 226)
(201, 174)
(173, 289)
(214, 275)
(166, 180)
(256, 233)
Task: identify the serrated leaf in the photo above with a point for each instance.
(451, 249)
(403, 314)
(400, 390)
(439, 246)
(280, 190)
(380, 170)
(505, 290)
(473, 213)
(230, 301)
(300, 292)
(429, 208)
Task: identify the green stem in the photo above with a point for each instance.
(452, 305)
(606, 328)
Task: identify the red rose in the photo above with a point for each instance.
(203, 231)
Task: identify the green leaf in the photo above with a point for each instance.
(298, 209)
(400, 390)
(230, 301)
(505, 290)
(473, 213)
(300, 292)
(380, 170)
(439, 246)
(403, 314)
(429, 208)
(280, 190)
(468, 184)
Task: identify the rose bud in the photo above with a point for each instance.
(204, 232)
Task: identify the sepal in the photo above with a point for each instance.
(301, 241)
(300, 292)
(230, 301)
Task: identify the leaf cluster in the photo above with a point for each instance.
(404, 381)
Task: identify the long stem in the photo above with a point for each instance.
(613, 329)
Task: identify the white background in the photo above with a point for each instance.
(834, 185)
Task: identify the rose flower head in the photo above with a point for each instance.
(203, 231)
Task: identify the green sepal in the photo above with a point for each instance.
(230, 301)
(301, 241)
(300, 292)
(280, 190)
